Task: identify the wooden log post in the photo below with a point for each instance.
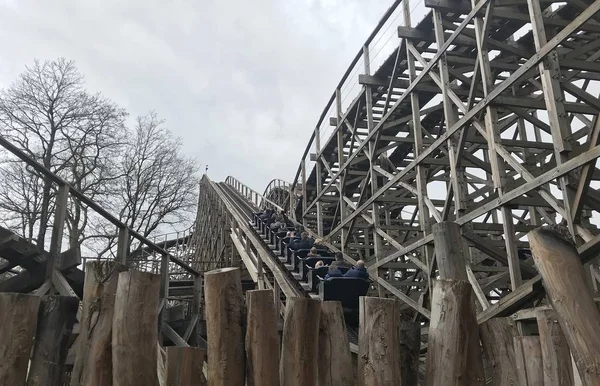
(558, 369)
(93, 361)
(56, 317)
(451, 252)
(560, 266)
(184, 366)
(224, 304)
(262, 340)
(300, 345)
(335, 361)
(18, 313)
(379, 357)
(135, 332)
(529, 363)
(497, 338)
(451, 329)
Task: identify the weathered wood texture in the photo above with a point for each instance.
(450, 251)
(135, 330)
(56, 317)
(300, 346)
(451, 332)
(18, 318)
(335, 361)
(225, 316)
(558, 370)
(562, 273)
(184, 366)
(262, 340)
(93, 361)
(529, 360)
(497, 339)
(379, 356)
(410, 347)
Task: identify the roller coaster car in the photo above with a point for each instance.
(301, 253)
(314, 274)
(309, 262)
(346, 290)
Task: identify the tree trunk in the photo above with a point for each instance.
(224, 324)
(135, 330)
(93, 362)
(300, 342)
(560, 266)
(452, 329)
(55, 323)
(497, 338)
(18, 313)
(262, 340)
(184, 366)
(334, 362)
(379, 356)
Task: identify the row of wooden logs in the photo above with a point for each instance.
(118, 335)
(315, 349)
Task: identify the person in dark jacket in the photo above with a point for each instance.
(339, 262)
(305, 242)
(359, 271)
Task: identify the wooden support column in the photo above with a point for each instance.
(300, 345)
(529, 360)
(450, 251)
(379, 356)
(56, 317)
(558, 370)
(262, 340)
(224, 304)
(135, 331)
(335, 361)
(18, 313)
(184, 366)
(93, 362)
(497, 339)
(560, 266)
(452, 332)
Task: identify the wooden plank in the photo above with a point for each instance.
(224, 322)
(497, 339)
(300, 345)
(529, 360)
(135, 332)
(55, 322)
(184, 366)
(18, 313)
(450, 251)
(562, 272)
(558, 370)
(262, 339)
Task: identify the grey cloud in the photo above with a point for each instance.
(242, 82)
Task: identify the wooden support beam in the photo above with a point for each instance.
(93, 362)
(334, 362)
(558, 370)
(450, 251)
(135, 331)
(184, 366)
(56, 317)
(379, 363)
(300, 345)
(224, 322)
(497, 339)
(563, 277)
(18, 313)
(452, 332)
(262, 340)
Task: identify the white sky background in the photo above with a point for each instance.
(241, 82)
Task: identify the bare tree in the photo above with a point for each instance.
(159, 185)
(75, 134)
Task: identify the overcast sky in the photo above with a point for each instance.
(241, 82)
